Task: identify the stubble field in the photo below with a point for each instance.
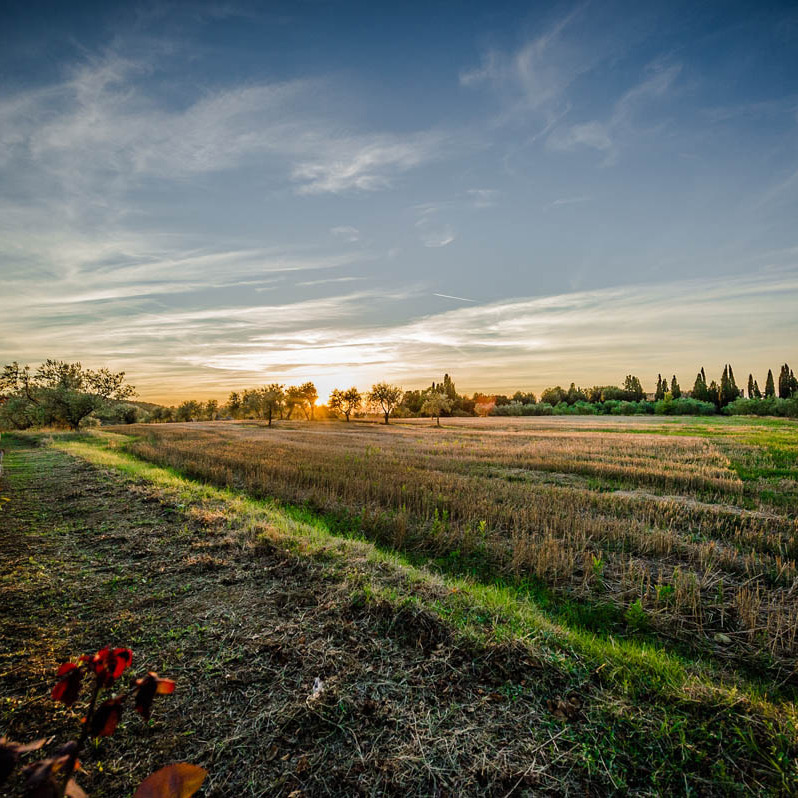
(681, 531)
(496, 607)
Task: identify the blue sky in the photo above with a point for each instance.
(213, 196)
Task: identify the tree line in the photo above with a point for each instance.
(66, 394)
(705, 398)
(279, 402)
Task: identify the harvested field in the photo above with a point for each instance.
(575, 510)
(482, 622)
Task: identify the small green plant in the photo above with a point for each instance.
(664, 593)
(636, 617)
(512, 691)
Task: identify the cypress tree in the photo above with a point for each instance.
(784, 382)
(700, 391)
(770, 388)
(757, 392)
(723, 392)
(728, 387)
(676, 391)
(660, 392)
(750, 386)
(734, 391)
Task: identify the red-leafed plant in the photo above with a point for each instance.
(53, 777)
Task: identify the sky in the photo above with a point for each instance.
(215, 196)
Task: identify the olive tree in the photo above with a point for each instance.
(309, 397)
(435, 404)
(345, 402)
(386, 397)
(60, 392)
(294, 397)
(272, 398)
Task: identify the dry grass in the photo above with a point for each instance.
(246, 629)
(572, 509)
(431, 687)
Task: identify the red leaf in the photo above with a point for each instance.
(106, 718)
(109, 664)
(119, 660)
(73, 790)
(147, 688)
(67, 687)
(9, 754)
(180, 780)
(165, 686)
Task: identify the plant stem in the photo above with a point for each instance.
(70, 765)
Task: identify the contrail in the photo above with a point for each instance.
(449, 296)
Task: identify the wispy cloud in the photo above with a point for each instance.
(495, 346)
(88, 269)
(329, 281)
(435, 231)
(103, 130)
(438, 238)
(483, 197)
(350, 234)
(537, 74)
(364, 163)
(539, 342)
(605, 136)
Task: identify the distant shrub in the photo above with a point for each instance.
(519, 409)
(624, 408)
(119, 413)
(619, 407)
(684, 407)
(768, 406)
